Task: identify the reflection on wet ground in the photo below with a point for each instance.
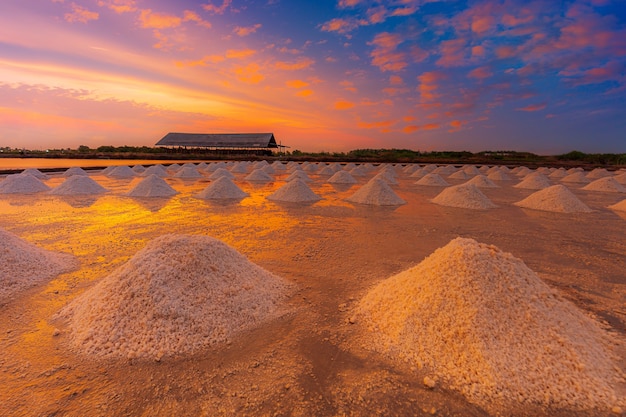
(308, 362)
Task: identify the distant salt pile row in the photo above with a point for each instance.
(294, 191)
(23, 265)
(222, 189)
(486, 325)
(464, 196)
(376, 192)
(178, 295)
(557, 198)
(152, 186)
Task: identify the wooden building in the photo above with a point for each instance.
(222, 143)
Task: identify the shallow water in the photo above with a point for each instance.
(312, 361)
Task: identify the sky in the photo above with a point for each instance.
(542, 76)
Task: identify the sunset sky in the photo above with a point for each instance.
(542, 76)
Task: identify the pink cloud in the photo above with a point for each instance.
(385, 56)
(296, 83)
(342, 26)
(245, 31)
(452, 52)
(190, 16)
(480, 73)
(294, 66)
(249, 74)
(151, 20)
(533, 107)
(343, 105)
(211, 8)
(119, 6)
(80, 14)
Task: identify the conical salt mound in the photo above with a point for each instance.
(22, 184)
(534, 181)
(121, 172)
(463, 196)
(35, 173)
(298, 174)
(189, 172)
(499, 175)
(577, 176)
(605, 184)
(74, 171)
(178, 295)
(78, 185)
(222, 189)
(489, 327)
(157, 170)
(433, 180)
(326, 170)
(294, 191)
(259, 175)
(621, 206)
(556, 198)
(459, 175)
(342, 177)
(621, 178)
(481, 181)
(221, 172)
(138, 169)
(376, 193)
(152, 186)
(23, 265)
(598, 173)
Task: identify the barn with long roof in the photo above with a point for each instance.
(223, 143)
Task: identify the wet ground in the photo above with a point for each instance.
(312, 361)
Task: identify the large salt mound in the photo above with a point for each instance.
(23, 265)
(188, 172)
(157, 170)
(221, 172)
(259, 175)
(152, 186)
(178, 295)
(377, 193)
(342, 177)
(74, 171)
(577, 176)
(35, 173)
(556, 198)
(121, 172)
(433, 180)
(463, 196)
(489, 327)
(78, 185)
(298, 174)
(481, 181)
(295, 191)
(606, 184)
(534, 181)
(222, 189)
(22, 184)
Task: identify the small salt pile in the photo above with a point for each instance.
(471, 170)
(521, 171)
(342, 177)
(481, 181)
(376, 193)
(221, 172)
(78, 185)
(311, 168)
(152, 186)
(459, 175)
(605, 184)
(418, 173)
(222, 188)
(298, 174)
(598, 173)
(258, 175)
(534, 181)
(179, 295)
(432, 180)
(499, 175)
(621, 206)
(23, 265)
(157, 170)
(578, 177)
(35, 173)
(326, 170)
(559, 173)
(557, 198)
(22, 184)
(106, 171)
(138, 169)
(294, 191)
(356, 172)
(240, 168)
(188, 172)
(621, 178)
(464, 196)
(173, 168)
(486, 325)
(121, 172)
(74, 171)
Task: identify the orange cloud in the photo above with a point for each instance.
(382, 125)
(478, 51)
(249, 74)
(217, 9)
(342, 25)
(343, 105)
(505, 52)
(480, 73)
(150, 20)
(304, 93)
(189, 16)
(452, 53)
(533, 107)
(348, 3)
(385, 56)
(239, 53)
(245, 31)
(428, 84)
(456, 125)
(348, 86)
(119, 6)
(296, 83)
(80, 14)
(410, 129)
(396, 80)
(294, 66)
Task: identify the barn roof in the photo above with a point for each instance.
(219, 140)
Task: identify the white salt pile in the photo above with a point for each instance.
(78, 185)
(35, 173)
(221, 172)
(74, 171)
(222, 188)
(388, 176)
(459, 175)
(464, 196)
(598, 173)
(605, 184)
(138, 169)
(342, 177)
(621, 206)
(178, 295)
(559, 173)
(357, 172)
(577, 176)
(22, 184)
(621, 178)
(259, 175)
(294, 191)
(489, 327)
(121, 172)
(376, 193)
(189, 172)
(534, 181)
(481, 181)
(418, 173)
(157, 170)
(239, 168)
(152, 186)
(298, 174)
(23, 265)
(471, 170)
(326, 170)
(432, 180)
(499, 175)
(173, 168)
(556, 198)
